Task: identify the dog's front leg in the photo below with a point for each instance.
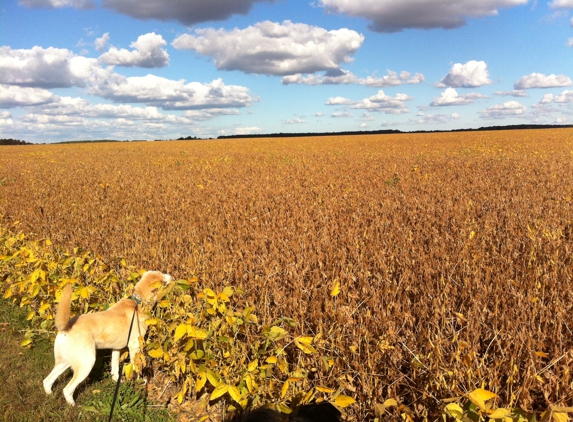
(115, 364)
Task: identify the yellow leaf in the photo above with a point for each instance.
(128, 370)
(151, 321)
(454, 410)
(559, 417)
(253, 365)
(156, 353)
(335, 289)
(234, 393)
(390, 403)
(180, 331)
(219, 391)
(271, 359)
(305, 344)
(201, 381)
(210, 296)
(213, 378)
(223, 297)
(500, 413)
(479, 396)
(26, 342)
(196, 333)
(228, 291)
(406, 417)
(30, 316)
(284, 389)
(277, 333)
(325, 390)
(344, 401)
(542, 354)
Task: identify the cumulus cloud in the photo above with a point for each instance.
(294, 121)
(188, 12)
(392, 79)
(209, 114)
(274, 49)
(384, 103)
(469, 75)
(339, 101)
(16, 96)
(539, 80)
(101, 42)
(172, 95)
(396, 15)
(424, 119)
(57, 4)
(340, 115)
(558, 4)
(148, 53)
(500, 111)
(570, 39)
(6, 118)
(247, 130)
(332, 77)
(565, 97)
(451, 97)
(514, 93)
(341, 76)
(46, 68)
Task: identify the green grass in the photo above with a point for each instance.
(22, 396)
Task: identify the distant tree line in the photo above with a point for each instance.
(393, 131)
(14, 142)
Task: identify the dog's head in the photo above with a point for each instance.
(151, 284)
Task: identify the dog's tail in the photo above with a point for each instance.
(63, 311)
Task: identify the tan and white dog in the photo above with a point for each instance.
(79, 337)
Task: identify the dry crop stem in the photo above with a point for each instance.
(453, 251)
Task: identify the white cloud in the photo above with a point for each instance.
(148, 53)
(332, 77)
(6, 118)
(500, 111)
(469, 75)
(451, 97)
(557, 4)
(455, 116)
(539, 80)
(396, 15)
(565, 97)
(274, 49)
(294, 121)
(16, 96)
(187, 12)
(338, 115)
(339, 101)
(392, 79)
(514, 93)
(202, 115)
(424, 119)
(384, 103)
(57, 4)
(319, 114)
(101, 42)
(570, 39)
(172, 95)
(46, 68)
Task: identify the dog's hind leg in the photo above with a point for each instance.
(61, 364)
(82, 367)
(58, 370)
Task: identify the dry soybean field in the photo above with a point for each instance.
(425, 265)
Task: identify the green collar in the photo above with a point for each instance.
(136, 298)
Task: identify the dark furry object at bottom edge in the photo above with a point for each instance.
(317, 412)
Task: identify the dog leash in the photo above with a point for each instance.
(137, 301)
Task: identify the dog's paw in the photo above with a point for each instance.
(69, 399)
(47, 387)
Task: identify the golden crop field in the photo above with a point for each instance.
(452, 252)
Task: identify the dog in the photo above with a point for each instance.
(314, 412)
(79, 337)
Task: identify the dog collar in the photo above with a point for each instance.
(136, 298)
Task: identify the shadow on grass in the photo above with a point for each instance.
(22, 396)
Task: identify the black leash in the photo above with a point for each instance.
(137, 301)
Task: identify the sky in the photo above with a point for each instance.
(164, 69)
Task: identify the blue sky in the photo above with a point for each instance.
(162, 69)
